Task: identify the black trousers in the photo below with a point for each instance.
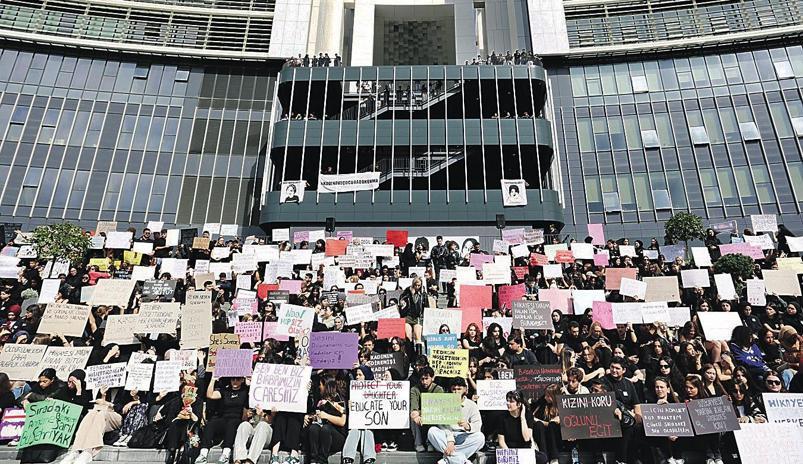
(323, 440)
(287, 431)
(548, 438)
(220, 429)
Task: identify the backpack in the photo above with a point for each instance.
(151, 436)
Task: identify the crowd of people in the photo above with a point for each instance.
(641, 363)
(322, 60)
(518, 57)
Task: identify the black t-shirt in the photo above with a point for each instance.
(511, 429)
(232, 402)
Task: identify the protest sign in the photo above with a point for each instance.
(718, 326)
(375, 404)
(633, 288)
(187, 358)
(448, 341)
(764, 223)
(139, 376)
(627, 250)
(614, 276)
(110, 375)
(508, 293)
(269, 331)
(791, 264)
(249, 331)
(333, 350)
(493, 394)
(672, 252)
(476, 296)
(666, 420)
(602, 259)
(695, 278)
(145, 248)
(769, 443)
(381, 363)
(537, 259)
(784, 408)
(781, 282)
(12, 423)
(712, 415)
(762, 241)
(280, 386)
(495, 273)
(553, 271)
(745, 249)
(533, 380)
(532, 315)
(112, 292)
(167, 376)
(551, 250)
(49, 422)
(564, 256)
(582, 250)
(396, 237)
(449, 363)
(65, 359)
(118, 240)
(104, 227)
(702, 258)
(200, 243)
(389, 328)
(725, 288)
(196, 320)
(558, 298)
(597, 234)
(158, 317)
(177, 268)
(515, 456)
(441, 408)
(654, 312)
(155, 289)
(294, 320)
(359, 313)
(64, 319)
(49, 290)
(434, 318)
(219, 341)
(584, 299)
(588, 416)
(142, 273)
(234, 362)
(602, 312)
(679, 316)
(390, 312)
(756, 292)
(21, 362)
(624, 313)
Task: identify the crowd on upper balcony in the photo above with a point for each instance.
(518, 57)
(322, 60)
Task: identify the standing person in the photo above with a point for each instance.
(411, 306)
(438, 256)
(459, 442)
(425, 385)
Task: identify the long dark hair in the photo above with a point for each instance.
(5, 383)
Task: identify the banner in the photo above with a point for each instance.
(377, 405)
(588, 416)
(666, 420)
(64, 319)
(292, 191)
(514, 192)
(441, 409)
(332, 183)
(49, 422)
(280, 386)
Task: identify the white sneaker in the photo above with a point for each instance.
(554, 461)
(70, 457)
(202, 459)
(224, 457)
(718, 461)
(710, 461)
(84, 458)
(671, 461)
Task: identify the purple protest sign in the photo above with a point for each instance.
(746, 249)
(333, 350)
(233, 363)
(601, 259)
(478, 259)
(12, 423)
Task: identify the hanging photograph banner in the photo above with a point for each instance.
(514, 192)
(333, 183)
(292, 191)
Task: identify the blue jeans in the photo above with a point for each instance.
(465, 444)
(368, 444)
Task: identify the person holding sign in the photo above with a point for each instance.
(223, 427)
(709, 444)
(517, 425)
(89, 436)
(425, 385)
(663, 449)
(326, 434)
(355, 435)
(459, 442)
(411, 307)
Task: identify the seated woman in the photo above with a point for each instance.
(547, 424)
(223, 426)
(133, 407)
(356, 435)
(89, 437)
(747, 408)
(256, 429)
(326, 435)
(663, 449)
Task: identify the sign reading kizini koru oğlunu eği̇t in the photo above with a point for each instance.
(589, 416)
(49, 422)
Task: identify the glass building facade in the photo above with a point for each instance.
(85, 138)
(717, 134)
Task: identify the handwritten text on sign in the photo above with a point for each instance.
(588, 416)
(379, 405)
(280, 386)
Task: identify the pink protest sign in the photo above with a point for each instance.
(471, 315)
(601, 259)
(602, 312)
(478, 259)
(302, 236)
(292, 286)
(269, 331)
(597, 234)
(558, 298)
(746, 249)
(475, 296)
(508, 293)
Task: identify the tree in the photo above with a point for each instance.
(60, 241)
(739, 266)
(685, 226)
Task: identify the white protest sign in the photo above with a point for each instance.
(145, 248)
(64, 319)
(718, 326)
(582, 250)
(764, 222)
(376, 404)
(701, 256)
(280, 235)
(294, 320)
(21, 362)
(633, 288)
(167, 376)
(50, 288)
(784, 408)
(119, 240)
(492, 394)
(177, 268)
(763, 241)
(155, 226)
(781, 282)
(359, 313)
(142, 273)
(139, 377)
(756, 292)
(109, 375)
(654, 312)
(769, 443)
(725, 288)
(693, 278)
(157, 317)
(434, 318)
(65, 359)
(624, 313)
(172, 238)
(196, 320)
(280, 386)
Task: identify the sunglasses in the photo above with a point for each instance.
(773, 382)
(664, 366)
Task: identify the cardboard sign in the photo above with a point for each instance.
(434, 318)
(781, 282)
(441, 409)
(381, 363)
(294, 320)
(784, 408)
(220, 341)
(719, 326)
(558, 298)
(12, 423)
(65, 359)
(280, 386)
(515, 456)
(158, 317)
(49, 422)
(333, 350)
(389, 328)
(493, 393)
(109, 375)
(533, 380)
(532, 315)
(196, 320)
(769, 443)
(200, 243)
(376, 404)
(614, 276)
(666, 420)
(476, 296)
(112, 292)
(139, 376)
(449, 363)
(250, 331)
(233, 362)
(712, 415)
(725, 287)
(589, 416)
(21, 362)
(64, 319)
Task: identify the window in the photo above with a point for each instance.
(643, 192)
(749, 131)
(796, 177)
(627, 194)
(763, 184)
(141, 71)
(639, 84)
(727, 184)
(593, 194)
(710, 190)
(632, 132)
(780, 119)
(699, 136)
(677, 188)
(784, 70)
(182, 75)
(797, 123)
(747, 189)
(712, 126)
(611, 202)
(650, 138)
(585, 134)
(578, 82)
(662, 199)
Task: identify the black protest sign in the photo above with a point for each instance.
(584, 417)
(712, 415)
(158, 289)
(279, 296)
(533, 380)
(380, 363)
(666, 420)
(532, 315)
(187, 235)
